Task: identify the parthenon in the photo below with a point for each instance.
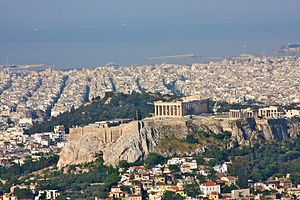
(168, 109)
(180, 108)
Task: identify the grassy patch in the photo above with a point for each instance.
(174, 144)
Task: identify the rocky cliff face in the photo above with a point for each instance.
(134, 145)
(81, 150)
(131, 147)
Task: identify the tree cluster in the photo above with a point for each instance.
(112, 106)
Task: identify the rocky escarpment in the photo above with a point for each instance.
(134, 144)
(131, 147)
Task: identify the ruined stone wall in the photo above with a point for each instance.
(195, 107)
(104, 134)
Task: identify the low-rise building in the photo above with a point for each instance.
(9, 196)
(208, 187)
(238, 194)
(175, 161)
(47, 194)
(229, 180)
(222, 168)
(116, 192)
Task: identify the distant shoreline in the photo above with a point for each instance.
(41, 67)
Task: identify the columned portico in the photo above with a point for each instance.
(180, 108)
(168, 109)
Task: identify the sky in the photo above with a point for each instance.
(96, 32)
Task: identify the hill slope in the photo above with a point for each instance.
(175, 136)
(112, 106)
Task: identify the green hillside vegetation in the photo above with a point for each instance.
(168, 195)
(173, 144)
(261, 161)
(96, 181)
(112, 106)
(85, 181)
(257, 162)
(23, 193)
(193, 141)
(15, 171)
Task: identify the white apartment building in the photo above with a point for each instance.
(209, 187)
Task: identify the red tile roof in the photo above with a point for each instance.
(209, 183)
(138, 167)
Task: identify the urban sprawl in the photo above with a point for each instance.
(27, 97)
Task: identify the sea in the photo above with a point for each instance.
(76, 38)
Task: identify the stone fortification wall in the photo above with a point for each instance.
(105, 134)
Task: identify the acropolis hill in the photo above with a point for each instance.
(137, 138)
(131, 140)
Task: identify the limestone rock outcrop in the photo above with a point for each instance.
(133, 144)
(131, 147)
(85, 149)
